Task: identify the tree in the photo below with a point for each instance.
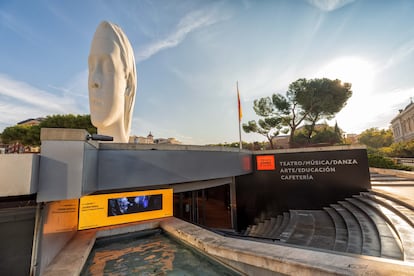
(18, 134)
(310, 101)
(30, 135)
(305, 101)
(270, 125)
(322, 99)
(375, 138)
(295, 114)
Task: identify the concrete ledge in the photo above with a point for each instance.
(63, 134)
(132, 146)
(311, 149)
(72, 258)
(399, 173)
(281, 259)
(128, 228)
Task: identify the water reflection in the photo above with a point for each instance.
(150, 255)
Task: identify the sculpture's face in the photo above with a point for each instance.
(107, 83)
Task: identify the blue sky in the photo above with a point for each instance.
(190, 54)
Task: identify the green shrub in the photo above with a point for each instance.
(378, 161)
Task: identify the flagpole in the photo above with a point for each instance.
(239, 115)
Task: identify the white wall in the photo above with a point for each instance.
(18, 174)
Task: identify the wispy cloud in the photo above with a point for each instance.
(191, 22)
(17, 26)
(19, 100)
(399, 55)
(329, 5)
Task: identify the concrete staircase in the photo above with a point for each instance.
(370, 223)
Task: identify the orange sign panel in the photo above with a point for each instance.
(265, 162)
(62, 216)
(110, 209)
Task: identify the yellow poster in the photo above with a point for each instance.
(111, 209)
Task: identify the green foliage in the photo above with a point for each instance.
(376, 138)
(30, 135)
(319, 99)
(271, 124)
(249, 146)
(401, 149)
(322, 134)
(305, 101)
(378, 161)
(69, 121)
(27, 135)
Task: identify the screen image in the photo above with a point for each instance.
(132, 205)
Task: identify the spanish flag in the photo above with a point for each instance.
(238, 103)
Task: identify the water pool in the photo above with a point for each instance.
(149, 253)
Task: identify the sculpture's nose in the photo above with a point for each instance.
(94, 81)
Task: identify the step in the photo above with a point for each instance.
(278, 223)
(288, 230)
(282, 226)
(247, 231)
(395, 205)
(406, 202)
(389, 178)
(252, 232)
(300, 228)
(405, 230)
(354, 244)
(341, 232)
(263, 228)
(270, 225)
(371, 242)
(374, 174)
(390, 242)
(302, 232)
(259, 229)
(324, 231)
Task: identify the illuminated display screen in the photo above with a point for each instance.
(111, 209)
(136, 204)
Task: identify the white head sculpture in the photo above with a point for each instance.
(112, 82)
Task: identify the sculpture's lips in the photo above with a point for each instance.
(96, 102)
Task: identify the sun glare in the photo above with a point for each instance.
(358, 72)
